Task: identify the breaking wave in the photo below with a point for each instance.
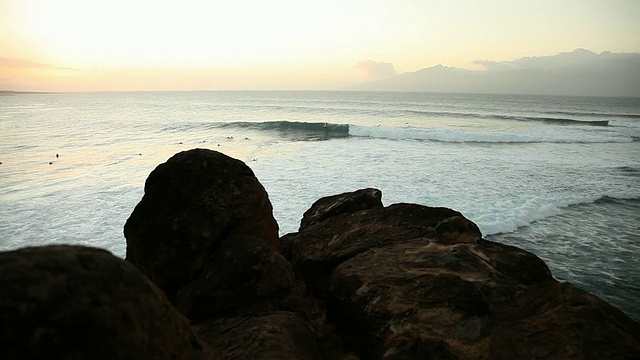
(310, 131)
(304, 130)
(595, 114)
(543, 135)
(548, 120)
(500, 222)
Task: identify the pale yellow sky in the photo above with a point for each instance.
(285, 44)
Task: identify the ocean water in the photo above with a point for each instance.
(558, 176)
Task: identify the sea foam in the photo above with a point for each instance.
(521, 135)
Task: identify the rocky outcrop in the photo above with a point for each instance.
(411, 282)
(271, 335)
(204, 231)
(191, 204)
(358, 280)
(72, 302)
(243, 270)
(339, 204)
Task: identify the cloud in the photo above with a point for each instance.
(377, 70)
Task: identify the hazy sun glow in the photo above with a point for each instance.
(74, 44)
(176, 33)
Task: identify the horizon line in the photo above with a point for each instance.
(26, 92)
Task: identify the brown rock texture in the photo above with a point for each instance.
(457, 230)
(204, 231)
(191, 204)
(244, 270)
(273, 335)
(338, 204)
(71, 302)
(414, 282)
(316, 250)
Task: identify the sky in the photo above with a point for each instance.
(88, 45)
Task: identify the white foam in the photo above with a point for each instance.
(529, 134)
(521, 212)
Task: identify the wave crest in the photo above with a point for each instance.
(304, 130)
(310, 131)
(467, 136)
(500, 222)
(548, 120)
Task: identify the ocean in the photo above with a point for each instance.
(557, 176)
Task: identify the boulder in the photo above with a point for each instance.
(204, 231)
(346, 203)
(193, 202)
(457, 230)
(316, 250)
(273, 335)
(72, 302)
(409, 281)
(561, 321)
(242, 271)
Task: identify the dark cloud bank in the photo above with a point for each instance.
(580, 72)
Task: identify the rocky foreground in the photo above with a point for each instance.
(207, 277)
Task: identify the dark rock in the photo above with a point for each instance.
(560, 321)
(346, 203)
(243, 270)
(205, 232)
(457, 230)
(191, 204)
(409, 281)
(317, 250)
(276, 335)
(64, 302)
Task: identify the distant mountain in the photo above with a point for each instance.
(579, 72)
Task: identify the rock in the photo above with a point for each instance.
(242, 270)
(346, 203)
(205, 232)
(560, 321)
(457, 230)
(275, 335)
(318, 249)
(408, 281)
(72, 302)
(193, 202)
(399, 282)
